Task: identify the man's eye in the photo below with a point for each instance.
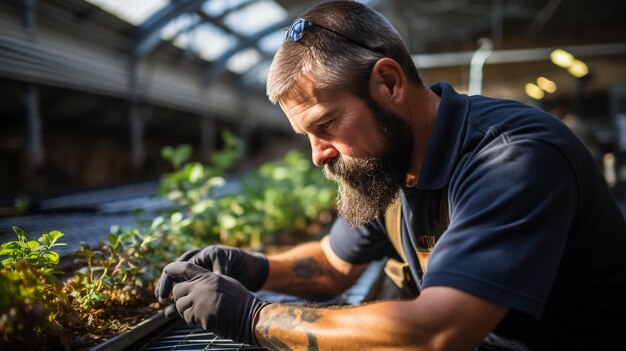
(326, 125)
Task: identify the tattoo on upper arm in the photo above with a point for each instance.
(289, 317)
(307, 268)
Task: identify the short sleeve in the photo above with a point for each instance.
(359, 245)
(512, 208)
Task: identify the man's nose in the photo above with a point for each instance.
(321, 151)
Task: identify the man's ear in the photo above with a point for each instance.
(387, 82)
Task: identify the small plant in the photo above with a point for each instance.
(28, 305)
(38, 252)
(116, 280)
(282, 196)
(177, 156)
(192, 187)
(117, 271)
(31, 300)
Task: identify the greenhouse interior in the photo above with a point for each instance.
(133, 134)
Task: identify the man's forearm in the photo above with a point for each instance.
(374, 326)
(441, 318)
(306, 272)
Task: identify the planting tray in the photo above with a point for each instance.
(161, 334)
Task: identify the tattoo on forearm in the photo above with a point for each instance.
(310, 316)
(288, 317)
(312, 342)
(307, 268)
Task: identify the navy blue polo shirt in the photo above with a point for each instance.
(533, 225)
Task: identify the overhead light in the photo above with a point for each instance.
(534, 91)
(546, 85)
(578, 69)
(561, 58)
(564, 59)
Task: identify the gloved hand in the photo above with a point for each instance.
(250, 269)
(217, 303)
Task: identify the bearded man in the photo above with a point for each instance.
(509, 235)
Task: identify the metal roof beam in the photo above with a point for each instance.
(424, 61)
(217, 67)
(236, 8)
(148, 35)
(218, 23)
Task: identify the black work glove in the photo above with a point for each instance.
(250, 269)
(217, 303)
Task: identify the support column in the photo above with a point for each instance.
(245, 123)
(33, 122)
(207, 137)
(136, 136)
(30, 14)
(496, 23)
(245, 128)
(135, 121)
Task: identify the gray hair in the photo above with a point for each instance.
(340, 51)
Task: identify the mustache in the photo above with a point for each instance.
(343, 167)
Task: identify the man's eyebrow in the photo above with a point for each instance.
(322, 116)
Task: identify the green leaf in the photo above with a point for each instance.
(114, 240)
(228, 221)
(216, 181)
(20, 234)
(33, 244)
(157, 222)
(177, 157)
(10, 247)
(147, 240)
(55, 235)
(196, 172)
(52, 257)
(87, 253)
(44, 239)
(168, 153)
(176, 217)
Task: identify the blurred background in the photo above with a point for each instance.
(92, 90)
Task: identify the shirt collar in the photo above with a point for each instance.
(446, 139)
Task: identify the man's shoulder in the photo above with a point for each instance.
(513, 120)
(487, 111)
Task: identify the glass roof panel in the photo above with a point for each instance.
(210, 42)
(205, 39)
(178, 25)
(189, 32)
(255, 17)
(216, 8)
(133, 12)
(243, 60)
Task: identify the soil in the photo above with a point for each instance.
(103, 322)
(76, 329)
(116, 319)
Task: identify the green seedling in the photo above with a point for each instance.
(38, 252)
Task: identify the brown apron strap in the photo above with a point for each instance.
(393, 224)
(399, 271)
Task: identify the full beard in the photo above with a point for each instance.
(368, 185)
